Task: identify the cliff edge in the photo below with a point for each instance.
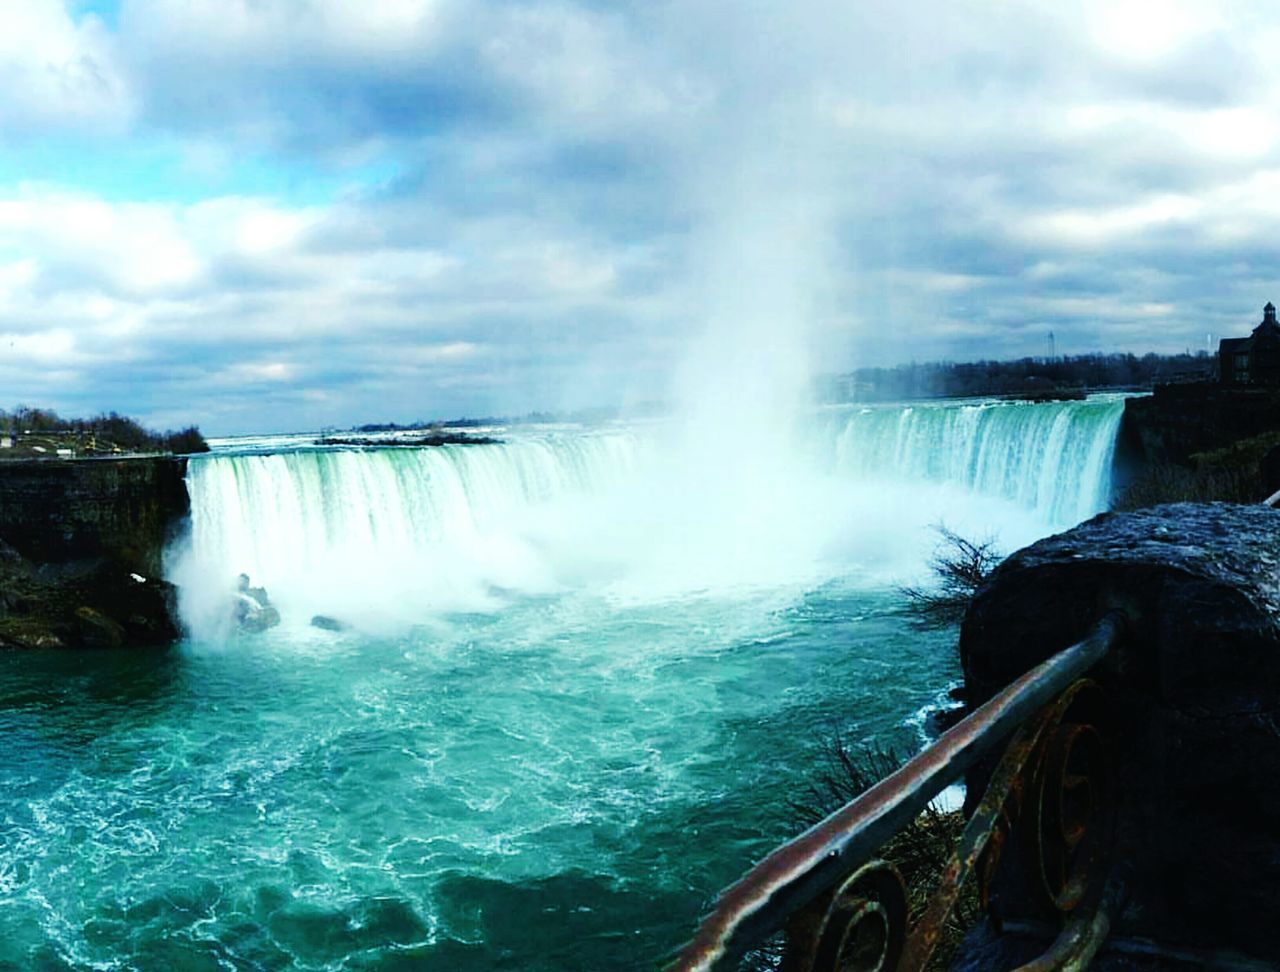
(81, 548)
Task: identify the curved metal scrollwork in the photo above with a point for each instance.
(1073, 811)
(1061, 812)
(859, 928)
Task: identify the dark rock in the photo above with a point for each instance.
(260, 620)
(1180, 420)
(252, 608)
(99, 631)
(939, 721)
(87, 604)
(55, 511)
(987, 948)
(431, 440)
(1197, 684)
(8, 555)
(28, 633)
(1270, 471)
(327, 623)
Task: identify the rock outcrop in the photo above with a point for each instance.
(1177, 421)
(326, 623)
(82, 549)
(1196, 686)
(251, 607)
(126, 510)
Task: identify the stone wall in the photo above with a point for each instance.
(81, 551)
(1196, 693)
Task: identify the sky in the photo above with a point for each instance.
(264, 215)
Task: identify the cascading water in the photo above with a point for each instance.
(334, 527)
(383, 535)
(1053, 457)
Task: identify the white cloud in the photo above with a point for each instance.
(960, 175)
(261, 371)
(43, 347)
(222, 30)
(1108, 225)
(1147, 30)
(238, 292)
(56, 73)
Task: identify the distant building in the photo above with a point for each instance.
(1252, 360)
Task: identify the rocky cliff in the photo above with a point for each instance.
(1197, 442)
(81, 550)
(1178, 421)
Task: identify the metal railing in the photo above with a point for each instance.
(839, 908)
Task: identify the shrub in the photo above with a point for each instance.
(961, 565)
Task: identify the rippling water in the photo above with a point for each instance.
(552, 788)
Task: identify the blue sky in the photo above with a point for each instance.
(275, 214)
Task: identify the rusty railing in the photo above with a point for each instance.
(1045, 809)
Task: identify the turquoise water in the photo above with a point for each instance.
(521, 793)
(582, 690)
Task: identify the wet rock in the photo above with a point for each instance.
(99, 631)
(251, 607)
(1196, 690)
(326, 623)
(260, 620)
(938, 721)
(82, 543)
(90, 604)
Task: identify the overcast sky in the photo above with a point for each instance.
(286, 214)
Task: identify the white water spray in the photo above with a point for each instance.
(382, 537)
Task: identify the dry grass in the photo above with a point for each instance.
(1232, 474)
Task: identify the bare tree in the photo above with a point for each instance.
(961, 565)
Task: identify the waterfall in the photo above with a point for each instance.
(351, 530)
(1054, 458)
(396, 534)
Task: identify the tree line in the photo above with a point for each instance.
(1024, 376)
(108, 429)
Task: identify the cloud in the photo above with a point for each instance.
(222, 297)
(57, 73)
(537, 203)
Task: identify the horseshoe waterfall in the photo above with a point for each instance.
(529, 703)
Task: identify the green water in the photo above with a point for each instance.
(563, 784)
